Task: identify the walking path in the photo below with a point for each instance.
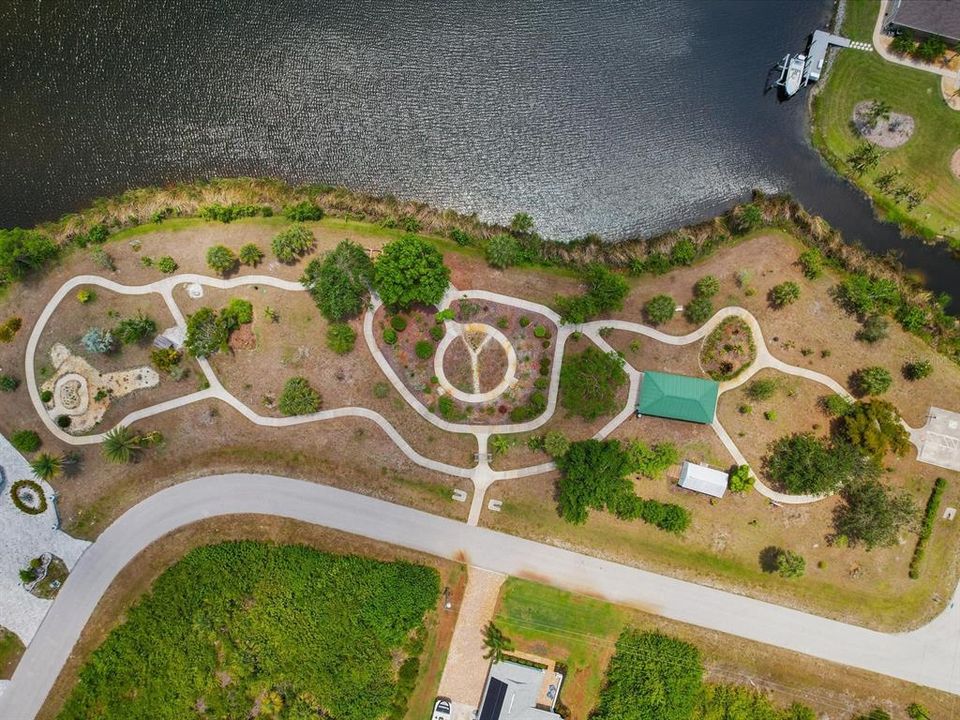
(928, 656)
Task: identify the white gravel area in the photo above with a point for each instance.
(23, 537)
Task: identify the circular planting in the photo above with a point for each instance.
(889, 130)
(728, 350)
(482, 362)
(29, 497)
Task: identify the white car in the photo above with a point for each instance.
(441, 709)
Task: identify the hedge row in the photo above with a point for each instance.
(666, 516)
(929, 516)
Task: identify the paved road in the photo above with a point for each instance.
(928, 656)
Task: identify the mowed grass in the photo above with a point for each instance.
(10, 651)
(924, 159)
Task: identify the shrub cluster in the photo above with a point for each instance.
(534, 407)
(26, 441)
(298, 398)
(926, 529)
(606, 291)
(292, 244)
(233, 211)
(36, 489)
(303, 211)
(9, 329)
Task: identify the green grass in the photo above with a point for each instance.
(10, 650)
(301, 630)
(924, 159)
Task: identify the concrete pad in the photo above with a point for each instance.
(940, 439)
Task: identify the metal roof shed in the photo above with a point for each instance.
(703, 479)
(678, 397)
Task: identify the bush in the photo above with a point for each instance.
(867, 295)
(539, 332)
(762, 389)
(605, 288)
(63, 421)
(298, 398)
(250, 254)
(556, 444)
(502, 251)
(102, 259)
(398, 323)
(652, 461)
(521, 223)
(46, 396)
(873, 380)
(589, 383)
(926, 528)
(9, 328)
(165, 359)
(85, 296)
(683, 252)
(659, 309)
(26, 441)
(874, 427)
(8, 383)
(706, 287)
(802, 463)
(749, 218)
(221, 259)
(875, 328)
(423, 349)
(338, 281)
(234, 211)
(460, 237)
(811, 261)
(740, 480)
(237, 312)
(292, 244)
(917, 370)
(98, 340)
(837, 405)
(437, 332)
(341, 338)
(698, 310)
(410, 270)
(790, 564)
(872, 514)
(136, 329)
(23, 252)
(390, 336)
(786, 293)
(166, 265)
(303, 212)
(206, 333)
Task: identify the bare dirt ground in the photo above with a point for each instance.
(137, 578)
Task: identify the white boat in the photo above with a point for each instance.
(791, 74)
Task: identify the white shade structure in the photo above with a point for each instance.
(703, 479)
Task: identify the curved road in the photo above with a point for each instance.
(928, 656)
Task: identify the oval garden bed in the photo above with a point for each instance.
(728, 350)
(29, 497)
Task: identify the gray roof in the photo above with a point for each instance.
(934, 17)
(512, 692)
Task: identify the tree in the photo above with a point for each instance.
(121, 444)
(872, 514)
(135, 329)
(292, 244)
(605, 288)
(866, 295)
(903, 43)
(221, 259)
(556, 444)
(23, 252)
(790, 564)
(878, 110)
(864, 158)
(206, 333)
(237, 312)
(502, 251)
(46, 467)
(786, 293)
(651, 461)
(706, 287)
(521, 223)
(917, 370)
(875, 328)
(593, 475)
(26, 441)
(341, 338)
(811, 262)
(410, 270)
(338, 282)
(874, 426)
(698, 310)
(802, 463)
(98, 340)
(590, 381)
(651, 677)
(250, 254)
(298, 398)
(659, 309)
(932, 48)
(740, 480)
(495, 642)
(873, 380)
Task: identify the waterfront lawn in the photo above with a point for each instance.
(924, 159)
(246, 629)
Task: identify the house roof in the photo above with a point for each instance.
(512, 692)
(934, 17)
(678, 397)
(703, 479)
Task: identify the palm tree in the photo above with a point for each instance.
(496, 643)
(46, 466)
(121, 444)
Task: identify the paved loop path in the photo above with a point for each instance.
(928, 656)
(481, 474)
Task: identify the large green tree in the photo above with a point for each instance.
(590, 381)
(338, 282)
(206, 333)
(410, 270)
(803, 463)
(23, 252)
(875, 427)
(872, 514)
(593, 475)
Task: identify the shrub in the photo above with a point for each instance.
(917, 370)
(206, 333)
(9, 328)
(447, 409)
(866, 295)
(423, 349)
(740, 480)
(659, 309)
(556, 444)
(872, 514)
(874, 427)
(460, 237)
(381, 390)
(221, 259)
(98, 340)
(37, 490)
(786, 293)
(745, 409)
(165, 359)
(237, 312)
(589, 383)
(873, 380)
(341, 338)
(912, 318)
(339, 280)
(875, 328)
(790, 564)
(167, 265)
(698, 310)
(63, 421)
(250, 254)
(303, 211)
(837, 405)
(292, 244)
(398, 323)
(770, 415)
(502, 251)
(23, 252)
(606, 289)
(802, 463)
(926, 528)
(541, 383)
(437, 332)
(234, 211)
(652, 461)
(762, 389)
(683, 252)
(811, 262)
(706, 287)
(390, 336)
(410, 270)
(521, 223)
(46, 396)
(750, 217)
(524, 321)
(539, 332)
(85, 296)
(102, 259)
(26, 441)
(298, 398)
(8, 383)
(136, 329)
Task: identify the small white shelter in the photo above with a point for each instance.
(703, 479)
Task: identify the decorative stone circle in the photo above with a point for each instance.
(471, 335)
(195, 291)
(28, 497)
(71, 394)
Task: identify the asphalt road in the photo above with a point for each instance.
(928, 656)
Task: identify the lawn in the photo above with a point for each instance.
(246, 628)
(10, 651)
(924, 159)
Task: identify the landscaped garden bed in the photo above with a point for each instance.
(728, 350)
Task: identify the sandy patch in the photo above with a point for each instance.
(889, 132)
(955, 164)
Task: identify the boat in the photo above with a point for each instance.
(791, 73)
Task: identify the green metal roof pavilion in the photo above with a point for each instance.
(678, 397)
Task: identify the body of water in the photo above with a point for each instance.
(619, 118)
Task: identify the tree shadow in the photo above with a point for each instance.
(768, 558)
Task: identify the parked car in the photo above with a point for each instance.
(441, 709)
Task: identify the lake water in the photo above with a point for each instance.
(619, 118)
